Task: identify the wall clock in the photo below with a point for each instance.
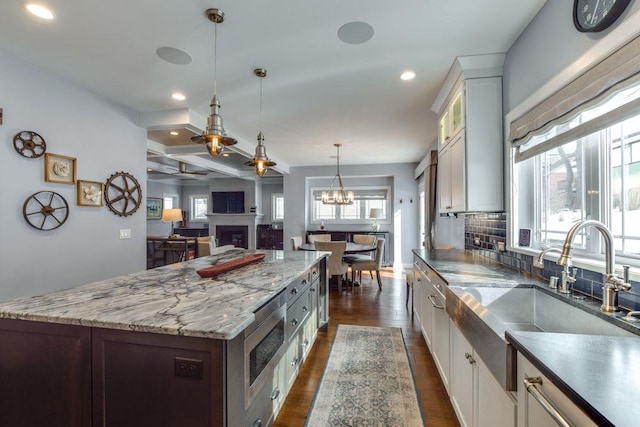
(596, 15)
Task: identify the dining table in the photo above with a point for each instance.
(352, 248)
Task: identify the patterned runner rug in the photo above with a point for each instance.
(367, 381)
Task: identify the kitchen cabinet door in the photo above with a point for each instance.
(444, 179)
(440, 341)
(457, 174)
(462, 381)
(496, 407)
(426, 317)
(417, 297)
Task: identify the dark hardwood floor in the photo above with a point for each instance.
(367, 306)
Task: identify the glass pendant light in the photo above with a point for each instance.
(338, 196)
(215, 137)
(260, 160)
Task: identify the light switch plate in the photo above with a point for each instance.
(125, 233)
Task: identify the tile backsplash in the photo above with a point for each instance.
(486, 234)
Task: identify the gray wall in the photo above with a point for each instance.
(404, 228)
(157, 227)
(267, 190)
(549, 44)
(191, 188)
(104, 139)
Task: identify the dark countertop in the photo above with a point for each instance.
(600, 374)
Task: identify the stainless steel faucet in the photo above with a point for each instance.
(568, 275)
(612, 283)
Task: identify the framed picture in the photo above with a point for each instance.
(59, 168)
(90, 193)
(154, 208)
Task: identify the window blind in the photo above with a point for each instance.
(596, 86)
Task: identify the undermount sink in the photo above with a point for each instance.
(531, 309)
(484, 314)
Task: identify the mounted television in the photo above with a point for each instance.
(227, 202)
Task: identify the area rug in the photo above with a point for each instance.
(367, 381)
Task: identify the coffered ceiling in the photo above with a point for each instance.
(319, 90)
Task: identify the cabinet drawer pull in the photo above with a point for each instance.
(257, 423)
(432, 298)
(469, 358)
(530, 384)
(294, 322)
(304, 282)
(275, 393)
(312, 289)
(294, 291)
(305, 342)
(305, 308)
(295, 361)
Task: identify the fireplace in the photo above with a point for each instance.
(247, 221)
(236, 235)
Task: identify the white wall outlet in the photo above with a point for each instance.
(125, 233)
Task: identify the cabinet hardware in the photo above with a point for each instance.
(304, 282)
(530, 384)
(305, 342)
(294, 322)
(432, 298)
(295, 361)
(275, 393)
(257, 423)
(294, 291)
(469, 358)
(305, 308)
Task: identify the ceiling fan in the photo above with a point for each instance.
(182, 168)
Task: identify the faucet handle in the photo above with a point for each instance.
(625, 274)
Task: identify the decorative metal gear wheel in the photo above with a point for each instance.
(122, 194)
(29, 144)
(45, 210)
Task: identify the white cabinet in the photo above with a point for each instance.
(451, 176)
(417, 296)
(452, 120)
(531, 412)
(426, 309)
(470, 168)
(477, 398)
(440, 341)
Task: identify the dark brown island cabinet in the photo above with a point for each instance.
(67, 375)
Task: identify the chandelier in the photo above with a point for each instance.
(260, 160)
(338, 196)
(214, 136)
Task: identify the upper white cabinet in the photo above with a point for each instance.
(470, 140)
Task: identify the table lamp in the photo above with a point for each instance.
(172, 215)
(375, 213)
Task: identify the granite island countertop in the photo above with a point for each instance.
(600, 374)
(173, 299)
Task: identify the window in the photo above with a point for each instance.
(277, 207)
(198, 207)
(596, 176)
(170, 201)
(366, 198)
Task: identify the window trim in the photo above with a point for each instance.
(275, 196)
(363, 221)
(192, 210)
(619, 36)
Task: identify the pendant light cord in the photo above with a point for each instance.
(215, 59)
(261, 78)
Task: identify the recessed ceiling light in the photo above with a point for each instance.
(40, 11)
(407, 75)
(178, 96)
(355, 32)
(174, 133)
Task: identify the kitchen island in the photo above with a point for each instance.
(163, 346)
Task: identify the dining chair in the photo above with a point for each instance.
(335, 265)
(204, 246)
(364, 239)
(371, 264)
(296, 241)
(312, 238)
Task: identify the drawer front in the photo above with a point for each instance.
(297, 314)
(296, 288)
